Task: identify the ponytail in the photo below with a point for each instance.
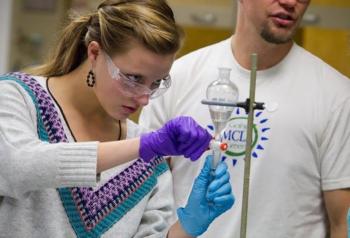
(70, 51)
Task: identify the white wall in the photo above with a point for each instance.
(5, 32)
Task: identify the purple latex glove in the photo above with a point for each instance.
(179, 136)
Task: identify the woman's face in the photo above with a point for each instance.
(125, 82)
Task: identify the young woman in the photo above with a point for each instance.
(71, 164)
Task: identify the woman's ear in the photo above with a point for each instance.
(93, 50)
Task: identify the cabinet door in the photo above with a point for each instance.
(204, 21)
(327, 33)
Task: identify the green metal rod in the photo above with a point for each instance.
(246, 181)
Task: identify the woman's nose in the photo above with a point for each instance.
(142, 100)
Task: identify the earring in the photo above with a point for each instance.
(90, 79)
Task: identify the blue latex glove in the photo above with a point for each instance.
(210, 197)
(179, 136)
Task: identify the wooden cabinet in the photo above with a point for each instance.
(329, 36)
(204, 21)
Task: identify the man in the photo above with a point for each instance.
(300, 175)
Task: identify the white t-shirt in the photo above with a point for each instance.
(301, 140)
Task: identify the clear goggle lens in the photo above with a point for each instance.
(135, 89)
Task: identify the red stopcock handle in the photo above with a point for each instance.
(218, 145)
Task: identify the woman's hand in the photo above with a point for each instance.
(179, 136)
(210, 197)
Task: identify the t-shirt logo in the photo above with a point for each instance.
(235, 135)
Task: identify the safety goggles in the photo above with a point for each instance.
(131, 86)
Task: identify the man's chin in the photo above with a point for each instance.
(276, 38)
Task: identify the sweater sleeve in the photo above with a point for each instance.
(155, 221)
(29, 164)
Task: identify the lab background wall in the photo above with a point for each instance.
(32, 27)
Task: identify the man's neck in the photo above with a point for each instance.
(268, 54)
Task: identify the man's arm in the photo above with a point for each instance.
(337, 205)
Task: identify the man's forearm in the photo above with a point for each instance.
(341, 231)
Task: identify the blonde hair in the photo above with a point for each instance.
(114, 26)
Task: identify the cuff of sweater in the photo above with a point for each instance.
(77, 164)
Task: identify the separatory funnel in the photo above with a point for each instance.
(221, 91)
